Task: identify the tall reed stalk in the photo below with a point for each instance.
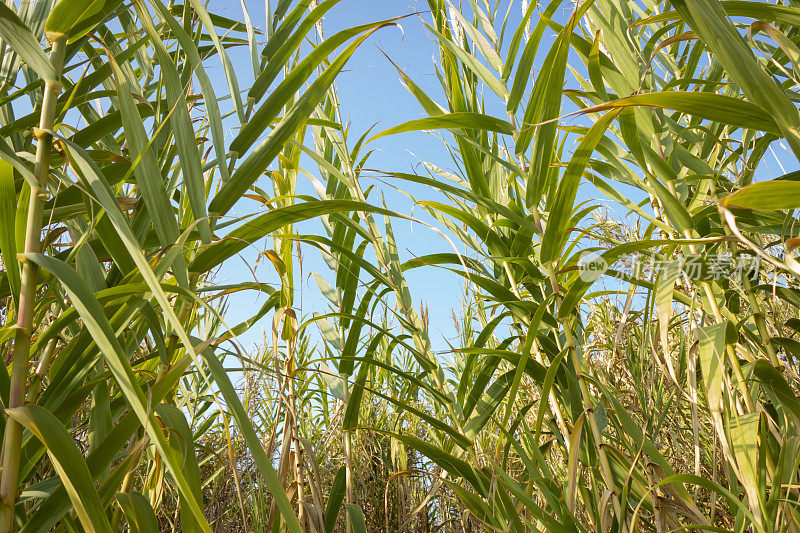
(9, 481)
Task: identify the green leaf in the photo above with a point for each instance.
(246, 234)
(772, 195)
(667, 274)
(14, 32)
(181, 445)
(544, 107)
(356, 517)
(450, 463)
(556, 231)
(472, 63)
(252, 167)
(451, 121)
(19, 165)
(525, 65)
(209, 97)
(744, 434)
(710, 23)
(427, 103)
(145, 168)
(335, 498)
(712, 486)
(137, 509)
(546, 387)
(712, 361)
(280, 57)
(580, 286)
(76, 18)
(97, 324)
(8, 240)
(773, 379)
(181, 126)
(199, 10)
(488, 404)
(480, 41)
(595, 72)
(708, 106)
(68, 462)
(55, 506)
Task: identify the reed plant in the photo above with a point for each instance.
(618, 364)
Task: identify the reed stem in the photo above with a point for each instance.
(12, 443)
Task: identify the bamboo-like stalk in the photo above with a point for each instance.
(348, 459)
(297, 457)
(758, 314)
(235, 473)
(535, 351)
(605, 466)
(127, 482)
(286, 436)
(30, 273)
(717, 314)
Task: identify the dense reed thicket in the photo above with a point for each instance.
(627, 351)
